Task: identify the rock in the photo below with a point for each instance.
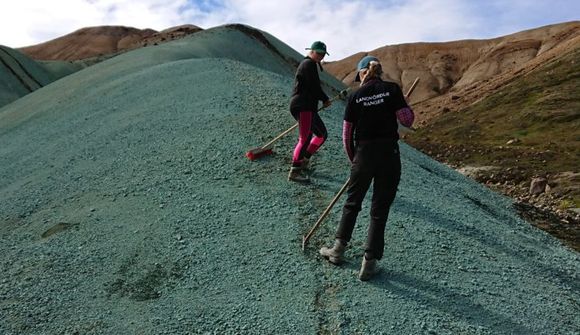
(538, 185)
(512, 141)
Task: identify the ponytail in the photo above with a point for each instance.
(375, 70)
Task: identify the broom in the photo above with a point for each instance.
(324, 214)
(266, 149)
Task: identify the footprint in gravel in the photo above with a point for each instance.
(57, 228)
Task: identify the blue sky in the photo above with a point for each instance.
(347, 27)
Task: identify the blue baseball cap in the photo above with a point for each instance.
(364, 63)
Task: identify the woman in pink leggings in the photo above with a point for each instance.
(304, 108)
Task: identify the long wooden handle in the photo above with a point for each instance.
(279, 136)
(324, 214)
(412, 88)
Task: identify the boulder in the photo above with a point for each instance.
(538, 185)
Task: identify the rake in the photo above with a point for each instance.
(266, 149)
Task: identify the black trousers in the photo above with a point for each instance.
(378, 162)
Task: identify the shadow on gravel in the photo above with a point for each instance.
(517, 250)
(438, 172)
(408, 287)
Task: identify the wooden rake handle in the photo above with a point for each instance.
(279, 137)
(412, 88)
(324, 214)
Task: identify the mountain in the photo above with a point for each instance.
(460, 66)
(127, 206)
(27, 69)
(103, 40)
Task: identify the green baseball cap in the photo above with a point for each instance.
(318, 47)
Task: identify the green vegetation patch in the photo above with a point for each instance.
(532, 123)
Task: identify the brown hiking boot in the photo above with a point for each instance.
(335, 255)
(305, 164)
(368, 269)
(297, 174)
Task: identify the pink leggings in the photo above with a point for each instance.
(311, 130)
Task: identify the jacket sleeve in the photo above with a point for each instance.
(347, 139)
(348, 127)
(405, 114)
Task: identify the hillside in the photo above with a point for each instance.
(28, 69)
(127, 206)
(20, 75)
(525, 129)
(99, 41)
(457, 66)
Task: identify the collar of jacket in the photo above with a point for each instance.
(319, 65)
(370, 81)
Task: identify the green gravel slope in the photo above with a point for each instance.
(20, 75)
(127, 207)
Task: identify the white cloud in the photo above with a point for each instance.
(347, 26)
(350, 26)
(32, 22)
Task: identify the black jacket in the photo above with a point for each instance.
(307, 91)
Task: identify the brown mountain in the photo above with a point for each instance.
(103, 40)
(464, 70)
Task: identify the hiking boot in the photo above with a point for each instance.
(296, 174)
(305, 164)
(368, 269)
(335, 254)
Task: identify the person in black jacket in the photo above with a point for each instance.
(371, 116)
(304, 108)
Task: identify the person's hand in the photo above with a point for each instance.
(343, 94)
(327, 103)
